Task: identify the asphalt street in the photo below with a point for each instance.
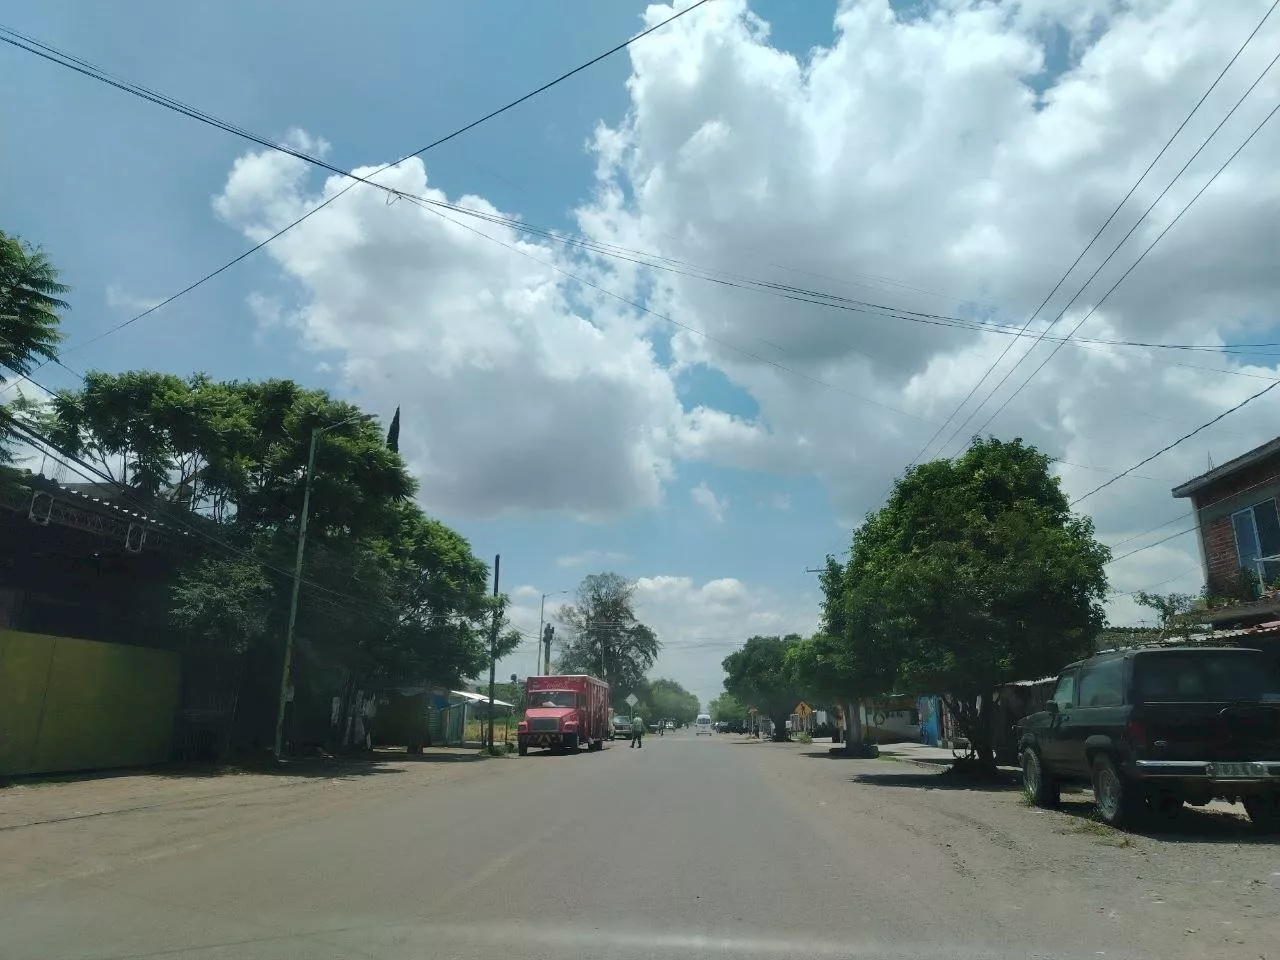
(690, 847)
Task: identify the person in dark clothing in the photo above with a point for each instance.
(637, 731)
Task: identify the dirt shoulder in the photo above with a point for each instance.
(1206, 885)
(61, 828)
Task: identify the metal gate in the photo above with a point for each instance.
(206, 706)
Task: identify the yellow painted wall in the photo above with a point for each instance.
(70, 704)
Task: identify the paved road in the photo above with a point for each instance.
(691, 847)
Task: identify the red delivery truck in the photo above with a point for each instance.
(564, 713)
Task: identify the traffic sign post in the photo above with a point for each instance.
(632, 700)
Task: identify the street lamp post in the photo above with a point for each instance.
(285, 673)
(542, 616)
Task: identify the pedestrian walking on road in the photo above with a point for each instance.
(637, 731)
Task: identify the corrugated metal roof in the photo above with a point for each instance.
(477, 698)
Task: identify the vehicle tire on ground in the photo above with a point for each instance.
(571, 743)
(523, 749)
(1120, 802)
(1040, 787)
(1264, 811)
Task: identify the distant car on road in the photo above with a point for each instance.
(1154, 728)
(703, 724)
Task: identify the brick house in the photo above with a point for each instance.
(1239, 528)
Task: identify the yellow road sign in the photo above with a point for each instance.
(803, 709)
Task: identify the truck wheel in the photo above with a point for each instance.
(1120, 802)
(1039, 786)
(571, 743)
(1264, 811)
(523, 749)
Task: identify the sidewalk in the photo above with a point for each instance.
(920, 753)
(933, 756)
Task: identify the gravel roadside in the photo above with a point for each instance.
(71, 828)
(1208, 877)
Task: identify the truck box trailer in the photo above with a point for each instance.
(564, 713)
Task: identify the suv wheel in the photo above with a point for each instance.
(1119, 802)
(1264, 811)
(1040, 787)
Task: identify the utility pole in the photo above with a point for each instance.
(286, 671)
(548, 633)
(542, 622)
(493, 641)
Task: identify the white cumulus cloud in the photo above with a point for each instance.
(950, 161)
(715, 505)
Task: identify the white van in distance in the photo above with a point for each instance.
(703, 724)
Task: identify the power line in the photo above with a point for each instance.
(905, 314)
(1094, 239)
(1137, 536)
(1172, 536)
(650, 260)
(1158, 583)
(679, 323)
(1142, 255)
(89, 472)
(198, 115)
(1195, 513)
(1165, 449)
(786, 291)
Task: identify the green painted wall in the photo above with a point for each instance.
(69, 704)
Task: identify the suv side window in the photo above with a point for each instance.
(1102, 684)
(1064, 694)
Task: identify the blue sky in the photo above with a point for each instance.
(120, 198)
(931, 115)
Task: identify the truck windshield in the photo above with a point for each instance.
(553, 698)
(1195, 676)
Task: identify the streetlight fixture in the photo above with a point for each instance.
(297, 577)
(542, 616)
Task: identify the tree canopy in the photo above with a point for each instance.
(603, 636)
(760, 676)
(727, 707)
(975, 572)
(387, 592)
(1168, 606)
(30, 307)
(667, 699)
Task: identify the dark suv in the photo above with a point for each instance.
(1155, 728)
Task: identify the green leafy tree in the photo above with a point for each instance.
(726, 708)
(666, 699)
(604, 638)
(235, 449)
(760, 675)
(388, 593)
(821, 668)
(853, 657)
(30, 307)
(30, 304)
(1169, 606)
(974, 573)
